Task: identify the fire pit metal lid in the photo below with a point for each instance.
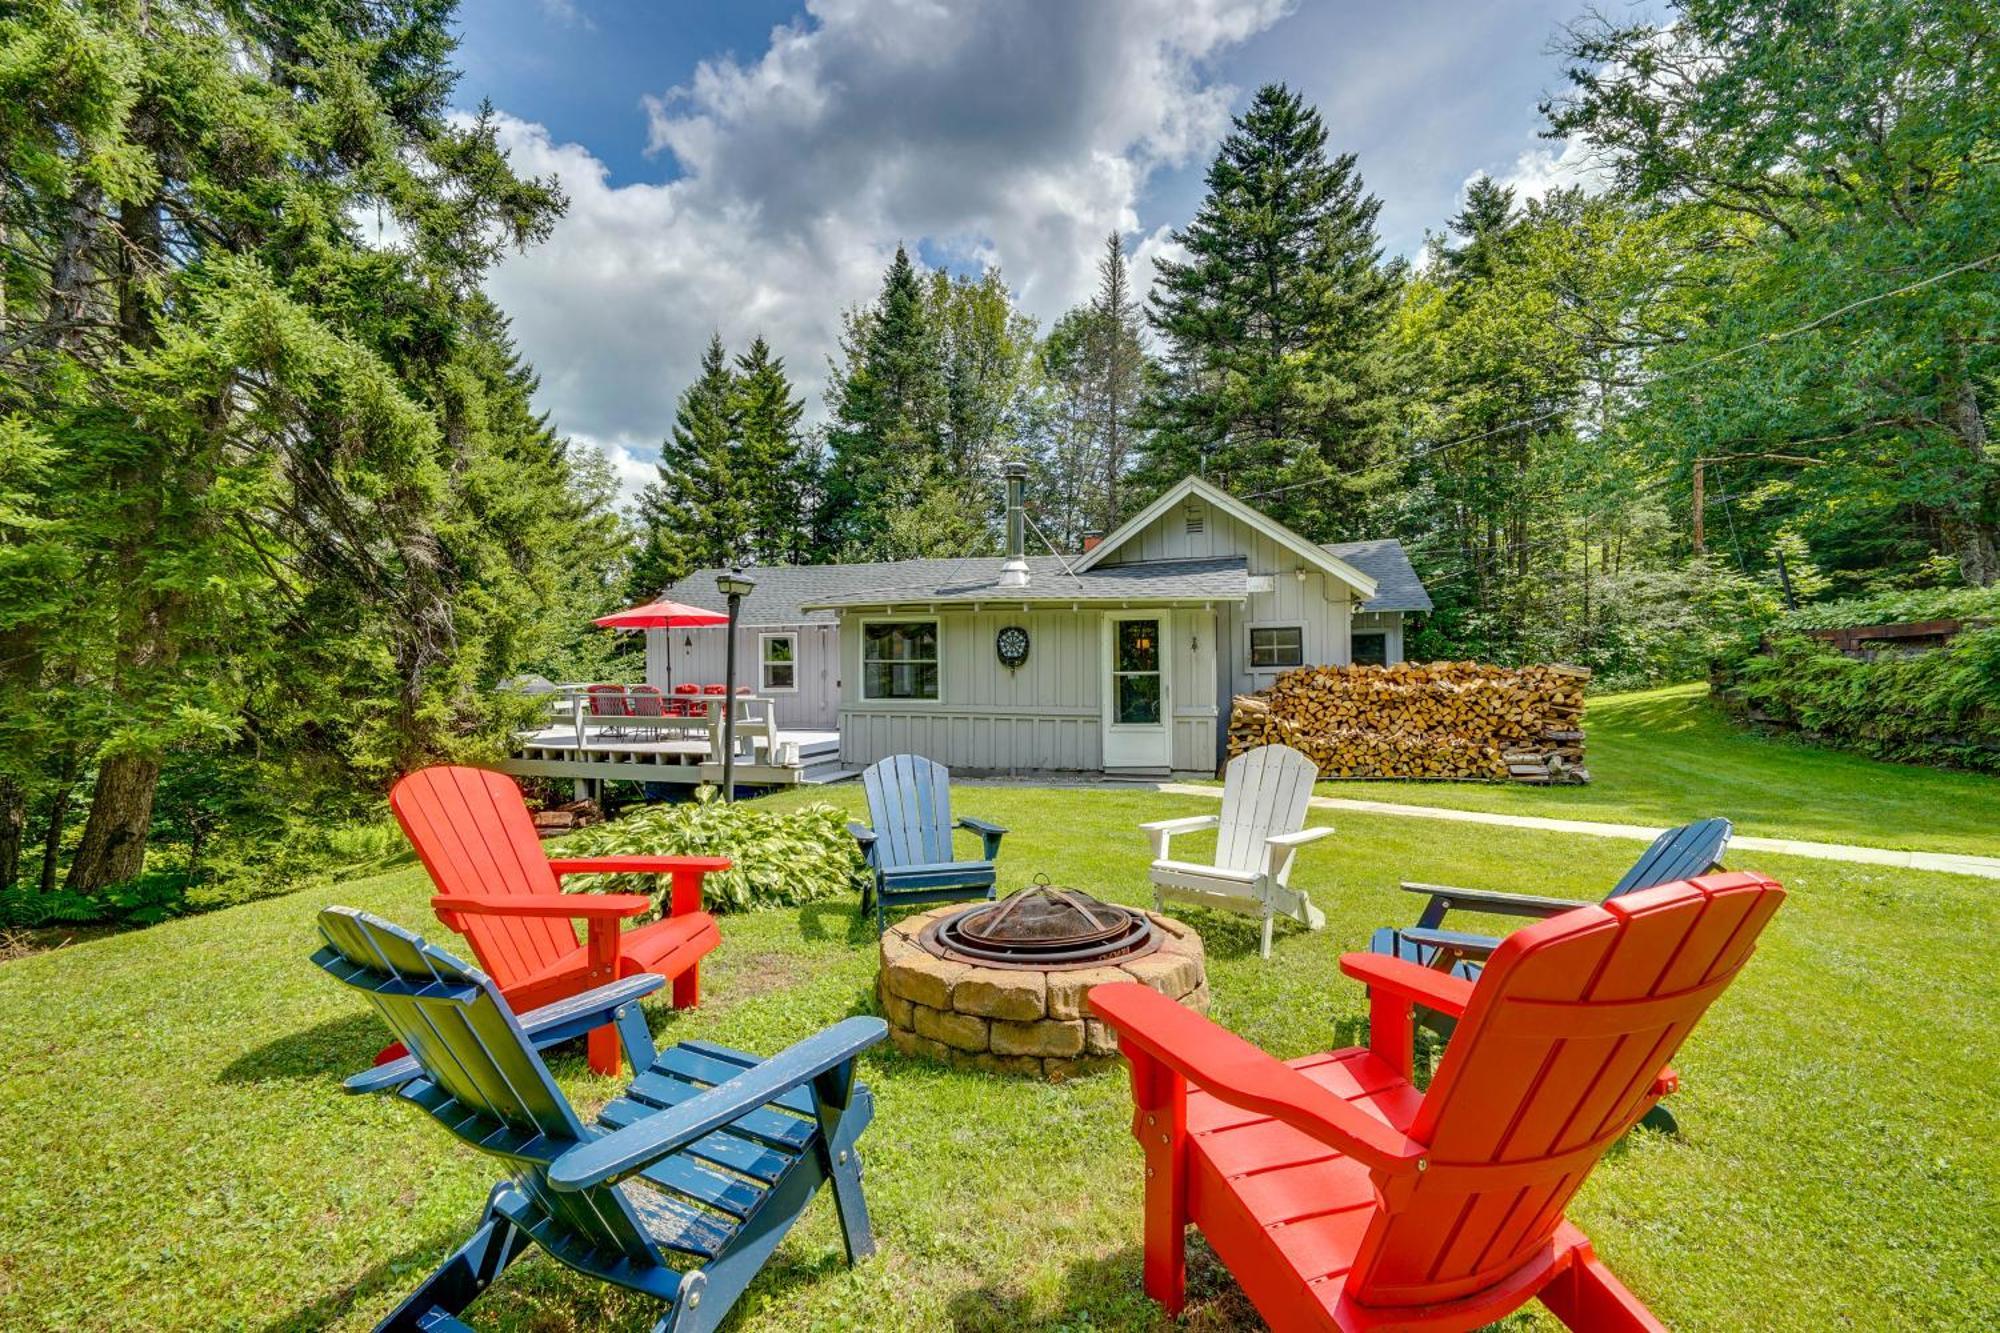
(1042, 927)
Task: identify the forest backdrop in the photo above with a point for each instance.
(277, 512)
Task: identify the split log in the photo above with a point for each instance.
(1445, 720)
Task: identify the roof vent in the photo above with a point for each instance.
(1195, 522)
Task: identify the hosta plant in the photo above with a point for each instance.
(781, 858)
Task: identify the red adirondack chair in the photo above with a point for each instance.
(1342, 1198)
(474, 834)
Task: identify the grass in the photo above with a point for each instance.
(1665, 757)
(178, 1155)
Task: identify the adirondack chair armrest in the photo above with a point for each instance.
(1232, 1070)
(1444, 898)
(1160, 832)
(1279, 848)
(637, 865)
(686, 872)
(1409, 983)
(989, 835)
(646, 1141)
(543, 1027)
(1456, 943)
(865, 837)
(568, 905)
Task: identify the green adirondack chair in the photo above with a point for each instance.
(685, 1183)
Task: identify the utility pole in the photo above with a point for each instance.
(1700, 537)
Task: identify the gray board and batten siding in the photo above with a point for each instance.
(1203, 570)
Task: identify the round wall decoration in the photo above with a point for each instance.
(1012, 645)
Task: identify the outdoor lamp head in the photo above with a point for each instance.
(734, 584)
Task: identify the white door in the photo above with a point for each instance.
(1138, 704)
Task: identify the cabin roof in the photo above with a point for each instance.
(803, 594)
(1397, 587)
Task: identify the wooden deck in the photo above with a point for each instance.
(667, 753)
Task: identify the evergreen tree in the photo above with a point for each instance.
(776, 470)
(885, 437)
(1276, 372)
(244, 409)
(1117, 366)
(695, 515)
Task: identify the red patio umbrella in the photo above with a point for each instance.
(663, 615)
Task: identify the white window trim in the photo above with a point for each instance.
(861, 660)
(1387, 645)
(764, 687)
(1249, 638)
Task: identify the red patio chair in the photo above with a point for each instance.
(607, 701)
(1343, 1198)
(715, 689)
(474, 835)
(645, 701)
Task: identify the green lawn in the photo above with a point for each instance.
(178, 1155)
(1665, 757)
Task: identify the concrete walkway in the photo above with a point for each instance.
(1951, 863)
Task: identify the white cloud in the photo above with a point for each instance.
(998, 132)
(1537, 171)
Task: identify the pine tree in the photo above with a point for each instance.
(694, 515)
(776, 471)
(1277, 372)
(245, 403)
(885, 439)
(1117, 374)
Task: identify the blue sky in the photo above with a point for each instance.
(747, 167)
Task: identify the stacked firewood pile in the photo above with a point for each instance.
(559, 819)
(1424, 720)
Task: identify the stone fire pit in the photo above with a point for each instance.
(1020, 1019)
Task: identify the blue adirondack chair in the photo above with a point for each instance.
(908, 850)
(1677, 854)
(683, 1186)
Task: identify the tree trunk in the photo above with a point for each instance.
(52, 834)
(13, 828)
(113, 849)
(1970, 529)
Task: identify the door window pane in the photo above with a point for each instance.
(1135, 673)
(1273, 646)
(1138, 645)
(1138, 699)
(899, 660)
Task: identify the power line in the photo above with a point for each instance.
(1670, 373)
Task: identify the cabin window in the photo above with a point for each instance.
(1371, 648)
(1276, 646)
(899, 659)
(778, 663)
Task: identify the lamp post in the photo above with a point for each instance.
(735, 585)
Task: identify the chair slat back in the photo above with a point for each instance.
(1568, 1028)
(606, 700)
(645, 701)
(1679, 853)
(1264, 792)
(909, 804)
(473, 833)
(482, 1078)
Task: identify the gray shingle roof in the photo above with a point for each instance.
(784, 592)
(1397, 587)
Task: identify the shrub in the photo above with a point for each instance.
(1891, 608)
(781, 858)
(1940, 707)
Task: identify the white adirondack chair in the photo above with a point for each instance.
(1262, 825)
